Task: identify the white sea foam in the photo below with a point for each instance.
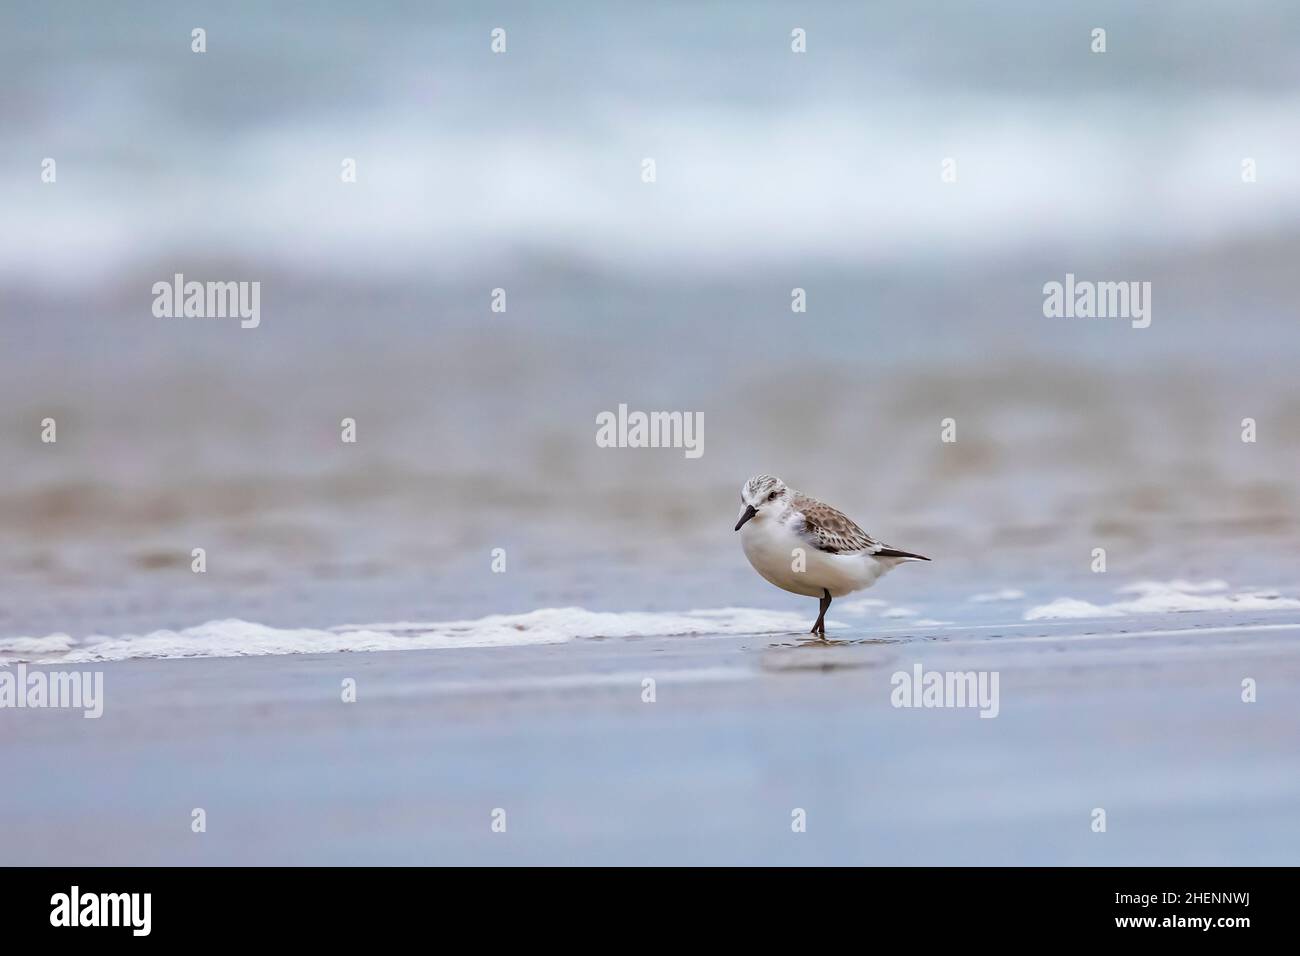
(236, 638)
(551, 186)
(1161, 597)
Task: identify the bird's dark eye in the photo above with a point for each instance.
(772, 496)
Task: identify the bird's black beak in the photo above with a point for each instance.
(750, 511)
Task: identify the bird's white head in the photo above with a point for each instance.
(762, 496)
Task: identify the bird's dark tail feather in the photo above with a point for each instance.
(895, 553)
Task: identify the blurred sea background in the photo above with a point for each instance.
(522, 171)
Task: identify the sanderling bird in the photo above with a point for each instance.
(805, 546)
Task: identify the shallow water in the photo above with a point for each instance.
(1148, 725)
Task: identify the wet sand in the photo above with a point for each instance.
(1143, 718)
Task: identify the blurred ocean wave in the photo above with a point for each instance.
(764, 156)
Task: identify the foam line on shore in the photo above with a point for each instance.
(237, 638)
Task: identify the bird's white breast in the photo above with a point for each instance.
(776, 552)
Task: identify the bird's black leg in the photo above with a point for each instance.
(820, 626)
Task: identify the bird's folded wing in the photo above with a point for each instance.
(828, 530)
